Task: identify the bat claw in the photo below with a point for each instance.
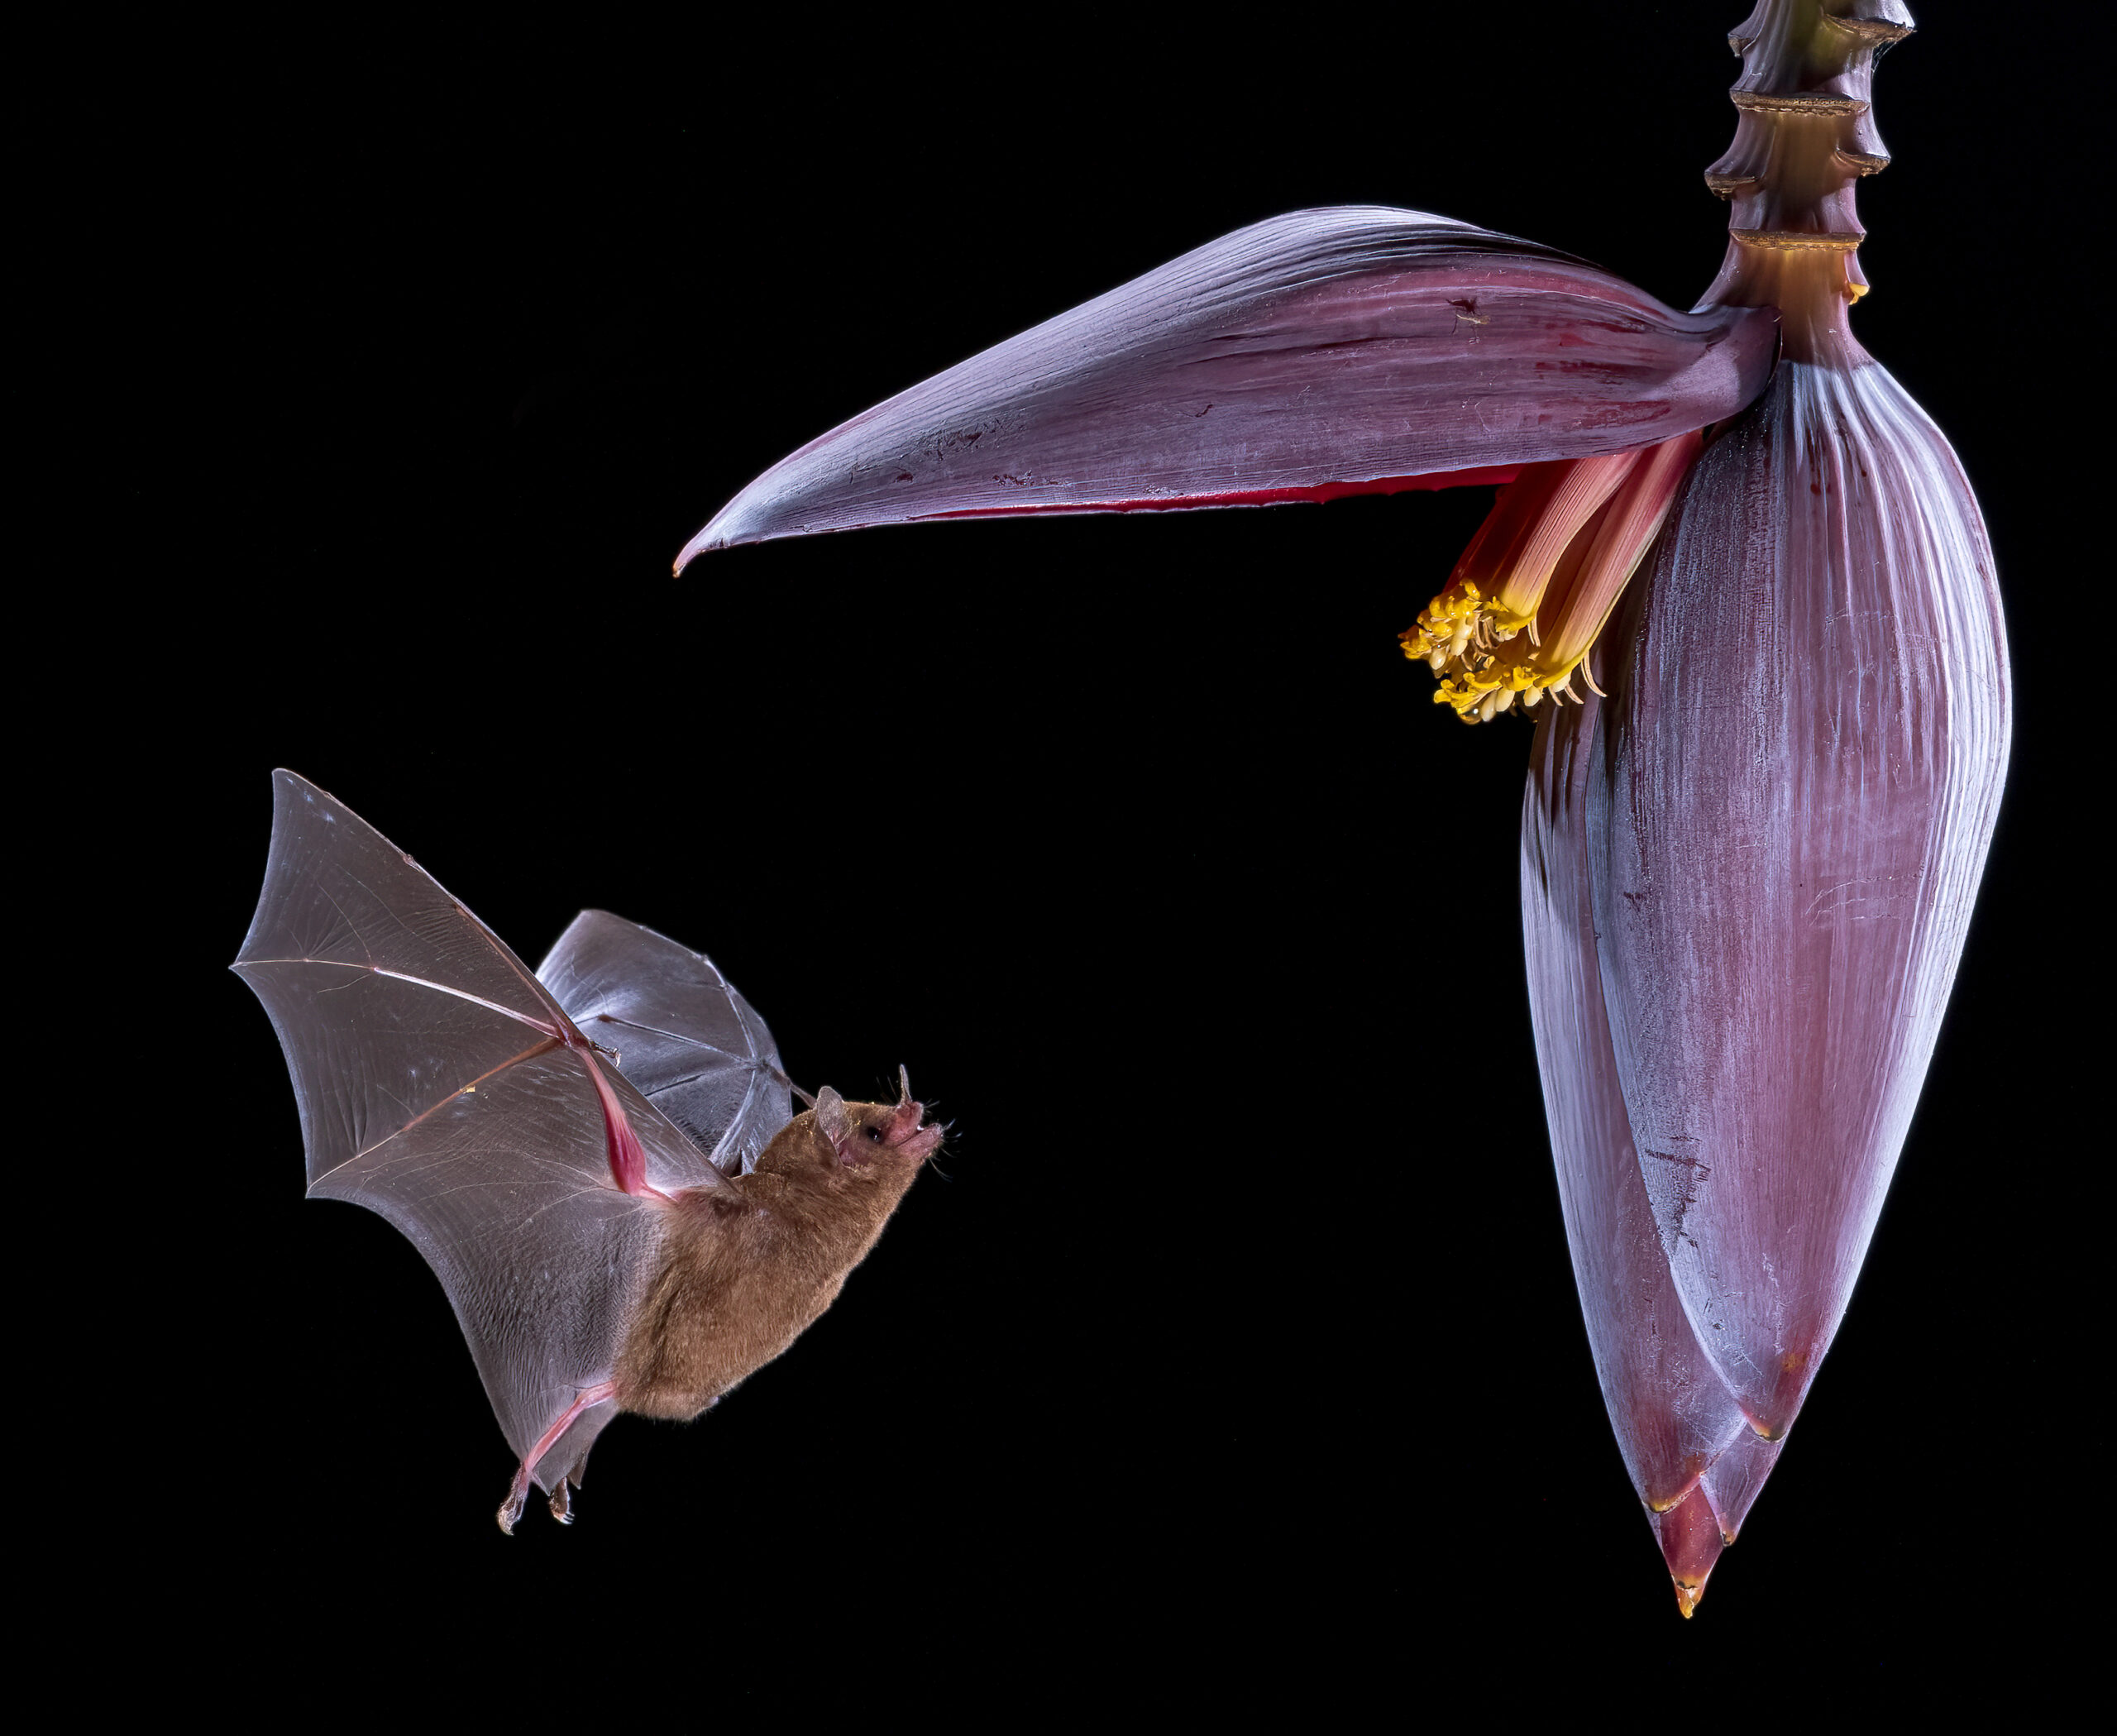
(510, 1509)
(562, 1502)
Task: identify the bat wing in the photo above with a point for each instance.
(695, 1048)
(442, 1085)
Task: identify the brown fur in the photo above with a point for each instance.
(745, 1269)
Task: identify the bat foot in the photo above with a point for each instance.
(518, 1493)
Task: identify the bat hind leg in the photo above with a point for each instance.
(517, 1492)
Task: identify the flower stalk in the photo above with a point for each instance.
(1804, 137)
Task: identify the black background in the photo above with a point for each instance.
(379, 378)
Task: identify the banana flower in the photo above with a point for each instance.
(1763, 777)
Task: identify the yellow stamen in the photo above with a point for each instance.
(1537, 583)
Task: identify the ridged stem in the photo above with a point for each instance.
(1804, 134)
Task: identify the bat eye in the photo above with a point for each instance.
(876, 1135)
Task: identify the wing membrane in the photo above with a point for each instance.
(695, 1047)
(437, 1088)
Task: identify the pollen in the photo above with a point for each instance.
(1530, 593)
(1485, 657)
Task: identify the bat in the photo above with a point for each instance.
(599, 1160)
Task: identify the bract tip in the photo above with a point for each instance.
(1688, 1534)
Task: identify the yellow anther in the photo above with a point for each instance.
(1485, 657)
(1535, 587)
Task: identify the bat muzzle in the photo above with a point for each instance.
(907, 1136)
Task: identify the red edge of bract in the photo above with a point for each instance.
(1490, 476)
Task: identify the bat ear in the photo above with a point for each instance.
(832, 1119)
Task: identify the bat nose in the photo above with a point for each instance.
(921, 1142)
(904, 1123)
